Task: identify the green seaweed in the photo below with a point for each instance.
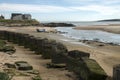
(4, 76)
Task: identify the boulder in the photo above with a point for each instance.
(23, 65)
(78, 54)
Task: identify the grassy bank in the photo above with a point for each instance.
(10, 23)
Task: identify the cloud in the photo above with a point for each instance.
(104, 10)
(100, 9)
(111, 1)
(32, 8)
(92, 2)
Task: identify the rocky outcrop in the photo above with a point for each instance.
(58, 25)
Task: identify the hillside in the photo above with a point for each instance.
(12, 23)
(111, 20)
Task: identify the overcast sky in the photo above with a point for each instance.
(63, 10)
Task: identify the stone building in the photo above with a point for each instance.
(27, 16)
(19, 16)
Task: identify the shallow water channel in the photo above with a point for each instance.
(102, 36)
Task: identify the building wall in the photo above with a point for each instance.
(27, 16)
(19, 16)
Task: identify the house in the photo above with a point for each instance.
(27, 16)
(19, 16)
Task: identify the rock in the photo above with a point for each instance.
(58, 25)
(78, 54)
(23, 65)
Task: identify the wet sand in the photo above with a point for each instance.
(108, 28)
(107, 56)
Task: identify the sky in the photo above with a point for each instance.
(63, 10)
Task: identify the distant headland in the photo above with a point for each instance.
(52, 24)
(19, 19)
(109, 20)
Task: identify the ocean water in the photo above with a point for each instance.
(89, 23)
(102, 36)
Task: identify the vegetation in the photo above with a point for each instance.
(52, 65)
(57, 24)
(36, 78)
(4, 76)
(97, 72)
(14, 72)
(87, 69)
(10, 23)
(5, 48)
(2, 44)
(10, 65)
(78, 54)
(9, 49)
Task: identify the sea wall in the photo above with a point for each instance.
(76, 61)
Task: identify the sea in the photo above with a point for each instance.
(102, 36)
(89, 23)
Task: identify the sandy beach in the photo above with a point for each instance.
(37, 62)
(107, 56)
(108, 28)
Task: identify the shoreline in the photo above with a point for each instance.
(108, 28)
(103, 55)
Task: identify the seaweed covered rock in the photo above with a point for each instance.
(23, 65)
(95, 71)
(52, 65)
(4, 76)
(60, 48)
(47, 48)
(59, 58)
(2, 44)
(78, 54)
(116, 72)
(86, 69)
(51, 47)
(9, 65)
(58, 24)
(60, 53)
(8, 48)
(36, 78)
